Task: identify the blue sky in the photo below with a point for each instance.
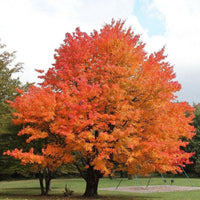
(35, 28)
(149, 17)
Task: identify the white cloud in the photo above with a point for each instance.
(181, 18)
(182, 29)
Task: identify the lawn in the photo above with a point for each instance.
(29, 189)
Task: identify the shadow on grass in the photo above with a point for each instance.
(75, 197)
(34, 193)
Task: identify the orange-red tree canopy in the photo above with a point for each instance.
(110, 106)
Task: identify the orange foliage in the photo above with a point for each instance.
(36, 111)
(109, 103)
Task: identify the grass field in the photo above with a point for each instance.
(29, 189)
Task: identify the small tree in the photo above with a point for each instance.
(35, 111)
(43, 165)
(113, 107)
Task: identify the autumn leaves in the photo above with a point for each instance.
(105, 105)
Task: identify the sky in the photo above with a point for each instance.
(35, 28)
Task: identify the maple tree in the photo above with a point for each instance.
(109, 106)
(35, 111)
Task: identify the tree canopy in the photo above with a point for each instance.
(107, 105)
(9, 81)
(8, 84)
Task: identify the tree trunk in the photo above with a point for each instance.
(40, 175)
(45, 175)
(48, 177)
(47, 184)
(92, 181)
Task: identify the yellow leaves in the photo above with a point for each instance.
(87, 135)
(69, 136)
(86, 147)
(133, 142)
(105, 137)
(101, 165)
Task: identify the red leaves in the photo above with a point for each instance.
(105, 100)
(39, 71)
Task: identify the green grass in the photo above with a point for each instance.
(29, 189)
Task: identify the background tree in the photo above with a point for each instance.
(7, 85)
(113, 107)
(194, 144)
(8, 132)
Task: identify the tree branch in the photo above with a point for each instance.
(80, 171)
